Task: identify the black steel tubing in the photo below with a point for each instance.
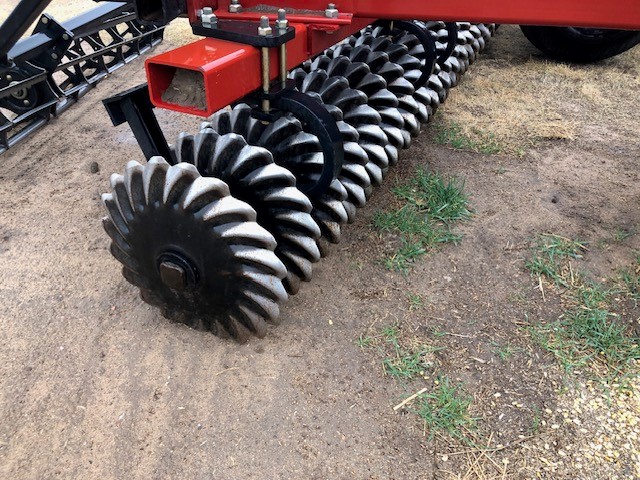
(18, 22)
(106, 15)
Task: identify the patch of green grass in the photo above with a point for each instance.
(407, 364)
(441, 199)
(430, 205)
(446, 409)
(536, 421)
(403, 362)
(621, 234)
(365, 342)
(505, 352)
(415, 301)
(629, 281)
(550, 255)
(589, 332)
(451, 134)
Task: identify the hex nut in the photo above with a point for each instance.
(235, 6)
(282, 23)
(264, 29)
(208, 18)
(331, 11)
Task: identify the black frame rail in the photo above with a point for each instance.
(43, 74)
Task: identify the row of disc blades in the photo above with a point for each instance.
(219, 240)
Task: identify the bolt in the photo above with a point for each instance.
(282, 23)
(173, 276)
(264, 29)
(45, 20)
(9, 78)
(65, 36)
(54, 55)
(209, 19)
(331, 11)
(235, 6)
(26, 103)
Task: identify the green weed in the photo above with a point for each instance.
(431, 205)
(505, 352)
(415, 301)
(629, 281)
(403, 362)
(550, 255)
(536, 421)
(589, 332)
(446, 409)
(451, 134)
(621, 234)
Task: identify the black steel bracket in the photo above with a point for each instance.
(61, 38)
(134, 106)
(244, 32)
(321, 123)
(425, 39)
(452, 40)
(286, 99)
(318, 121)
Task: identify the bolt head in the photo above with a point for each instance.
(9, 78)
(331, 11)
(173, 276)
(26, 103)
(54, 55)
(264, 29)
(45, 20)
(235, 7)
(209, 19)
(65, 36)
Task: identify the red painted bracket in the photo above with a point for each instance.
(229, 71)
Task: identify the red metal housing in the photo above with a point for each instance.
(230, 71)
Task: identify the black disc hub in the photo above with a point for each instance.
(176, 271)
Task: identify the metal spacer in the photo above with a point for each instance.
(331, 11)
(264, 29)
(209, 19)
(282, 23)
(235, 6)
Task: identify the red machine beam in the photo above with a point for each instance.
(228, 71)
(579, 13)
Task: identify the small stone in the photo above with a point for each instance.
(94, 167)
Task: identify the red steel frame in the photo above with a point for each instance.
(230, 71)
(623, 14)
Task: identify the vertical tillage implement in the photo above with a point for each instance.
(224, 262)
(323, 99)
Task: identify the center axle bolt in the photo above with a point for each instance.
(173, 276)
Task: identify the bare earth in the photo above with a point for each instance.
(94, 383)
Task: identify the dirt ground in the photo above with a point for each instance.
(94, 383)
